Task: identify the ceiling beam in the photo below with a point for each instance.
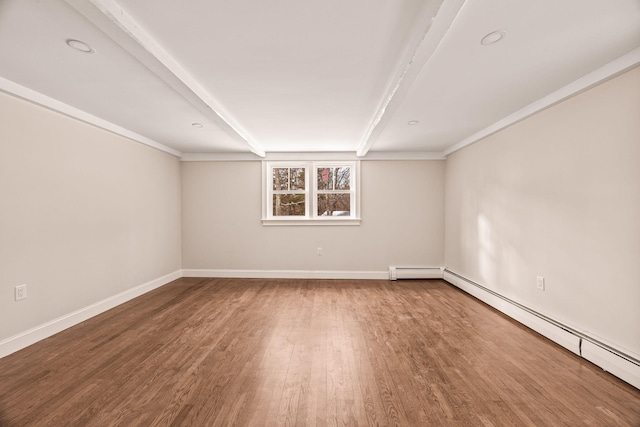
(113, 20)
(435, 20)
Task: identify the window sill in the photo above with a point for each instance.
(307, 221)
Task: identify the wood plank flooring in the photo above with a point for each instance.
(250, 352)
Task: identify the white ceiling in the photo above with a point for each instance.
(301, 76)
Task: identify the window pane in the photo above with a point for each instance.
(325, 178)
(342, 177)
(334, 178)
(334, 205)
(288, 205)
(280, 178)
(297, 178)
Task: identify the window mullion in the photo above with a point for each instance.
(310, 186)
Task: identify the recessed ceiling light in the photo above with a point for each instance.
(413, 122)
(493, 37)
(80, 46)
(197, 125)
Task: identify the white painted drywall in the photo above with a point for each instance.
(402, 221)
(84, 214)
(557, 195)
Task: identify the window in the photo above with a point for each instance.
(310, 193)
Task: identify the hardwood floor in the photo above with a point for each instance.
(220, 352)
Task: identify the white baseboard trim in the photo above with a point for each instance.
(40, 332)
(287, 274)
(617, 362)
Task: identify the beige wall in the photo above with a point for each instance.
(557, 195)
(402, 221)
(84, 214)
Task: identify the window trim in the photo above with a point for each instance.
(311, 193)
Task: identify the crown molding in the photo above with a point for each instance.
(220, 157)
(586, 82)
(312, 156)
(45, 101)
(404, 155)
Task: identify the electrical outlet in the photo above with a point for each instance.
(21, 292)
(319, 251)
(540, 283)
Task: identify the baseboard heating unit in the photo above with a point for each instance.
(616, 362)
(399, 273)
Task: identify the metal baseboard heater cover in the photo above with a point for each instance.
(399, 273)
(613, 360)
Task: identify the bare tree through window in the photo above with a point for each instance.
(321, 192)
(334, 184)
(289, 198)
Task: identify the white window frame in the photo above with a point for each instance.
(311, 194)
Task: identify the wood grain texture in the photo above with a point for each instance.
(252, 352)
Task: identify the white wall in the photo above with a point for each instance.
(84, 214)
(557, 195)
(402, 221)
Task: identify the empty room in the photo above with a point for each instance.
(264, 213)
